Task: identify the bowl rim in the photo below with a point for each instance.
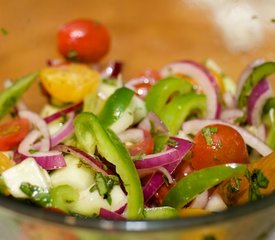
(51, 217)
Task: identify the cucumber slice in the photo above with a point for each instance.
(75, 174)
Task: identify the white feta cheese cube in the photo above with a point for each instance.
(28, 171)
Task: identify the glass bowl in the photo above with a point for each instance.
(145, 34)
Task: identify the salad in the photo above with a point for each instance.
(180, 141)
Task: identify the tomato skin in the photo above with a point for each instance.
(227, 146)
(147, 79)
(181, 171)
(12, 133)
(144, 147)
(87, 39)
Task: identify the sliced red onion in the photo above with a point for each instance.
(26, 144)
(258, 97)
(244, 75)
(132, 135)
(121, 209)
(107, 214)
(64, 131)
(204, 79)
(150, 119)
(193, 126)
(156, 180)
(48, 160)
(63, 111)
(230, 115)
(229, 99)
(85, 157)
(42, 126)
(200, 201)
(166, 173)
(215, 203)
(158, 159)
(261, 132)
(112, 70)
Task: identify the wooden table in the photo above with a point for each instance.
(145, 34)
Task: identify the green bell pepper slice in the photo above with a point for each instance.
(267, 119)
(165, 212)
(10, 96)
(197, 182)
(179, 108)
(115, 105)
(270, 103)
(113, 150)
(256, 75)
(162, 91)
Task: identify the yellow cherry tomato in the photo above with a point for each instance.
(5, 162)
(70, 82)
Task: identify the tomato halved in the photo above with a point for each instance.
(144, 147)
(12, 133)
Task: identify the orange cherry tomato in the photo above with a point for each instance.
(12, 133)
(84, 40)
(218, 144)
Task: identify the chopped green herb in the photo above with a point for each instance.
(257, 180)
(215, 158)
(32, 151)
(258, 177)
(110, 81)
(38, 195)
(273, 20)
(172, 143)
(93, 188)
(73, 56)
(207, 134)
(104, 185)
(166, 181)
(160, 141)
(138, 157)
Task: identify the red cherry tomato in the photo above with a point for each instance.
(182, 170)
(83, 40)
(144, 147)
(218, 144)
(12, 133)
(144, 82)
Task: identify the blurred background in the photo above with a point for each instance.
(145, 34)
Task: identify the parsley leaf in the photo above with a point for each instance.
(104, 185)
(257, 180)
(37, 194)
(207, 134)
